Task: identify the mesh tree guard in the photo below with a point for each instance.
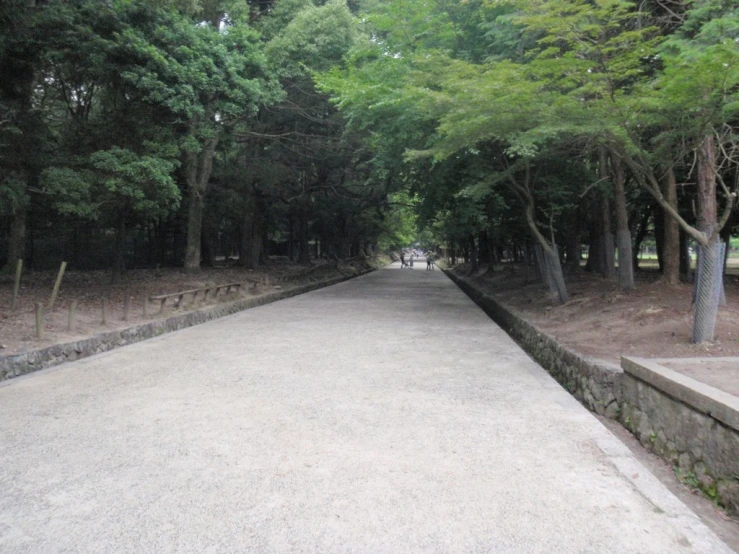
(625, 266)
(722, 298)
(556, 278)
(708, 285)
(541, 267)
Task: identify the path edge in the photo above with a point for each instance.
(595, 383)
(50, 356)
(664, 425)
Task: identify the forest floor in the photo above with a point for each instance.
(605, 322)
(17, 327)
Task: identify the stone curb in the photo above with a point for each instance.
(28, 362)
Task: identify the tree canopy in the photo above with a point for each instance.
(501, 129)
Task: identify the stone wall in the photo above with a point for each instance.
(592, 382)
(20, 364)
(704, 450)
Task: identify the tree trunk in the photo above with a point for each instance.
(671, 234)
(606, 235)
(595, 260)
(708, 282)
(194, 230)
(199, 166)
(207, 247)
(572, 240)
(659, 233)
(484, 241)
(623, 234)
(251, 240)
(17, 238)
(641, 234)
(474, 259)
(119, 254)
(555, 276)
(685, 261)
(304, 256)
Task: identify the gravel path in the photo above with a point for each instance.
(384, 414)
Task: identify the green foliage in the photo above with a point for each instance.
(117, 182)
(399, 228)
(315, 39)
(12, 194)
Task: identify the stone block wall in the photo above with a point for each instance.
(703, 450)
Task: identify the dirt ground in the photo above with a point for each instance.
(721, 374)
(604, 322)
(17, 328)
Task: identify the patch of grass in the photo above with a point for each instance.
(687, 478)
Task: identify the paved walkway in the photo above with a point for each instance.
(384, 414)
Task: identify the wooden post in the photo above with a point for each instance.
(126, 307)
(72, 322)
(39, 321)
(146, 305)
(17, 285)
(105, 311)
(57, 284)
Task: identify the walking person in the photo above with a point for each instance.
(411, 261)
(402, 259)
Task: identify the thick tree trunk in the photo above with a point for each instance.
(484, 241)
(623, 234)
(251, 243)
(555, 276)
(199, 166)
(671, 234)
(708, 283)
(607, 251)
(194, 230)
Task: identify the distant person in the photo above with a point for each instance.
(402, 260)
(411, 261)
(429, 262)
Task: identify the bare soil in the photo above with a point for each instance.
(721, 374)
(605, 322)
(17, 328)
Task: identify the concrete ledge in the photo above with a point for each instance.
(20, 364)
(704, 398)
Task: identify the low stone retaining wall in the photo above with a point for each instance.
(703, 449)
(691, 424)
(20, 364)
(592, 382)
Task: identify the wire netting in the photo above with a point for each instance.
(708, 287)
